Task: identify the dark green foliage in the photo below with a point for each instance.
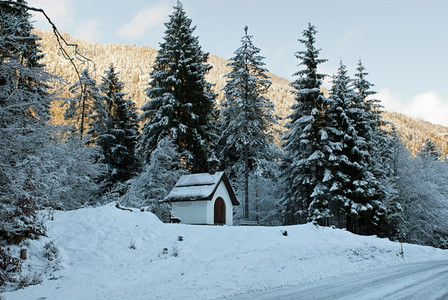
(181, 101)
(305, 144)
(354, 189)
(115, 130)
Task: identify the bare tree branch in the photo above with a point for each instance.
(60, 39)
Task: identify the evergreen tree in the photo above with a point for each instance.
(24, 128)
(429, 151)
(115, 128)
(377, 148)
(247, 115)
(81, 109)
(305, 144)
(352, 184)
(343, 135)
(180, 99)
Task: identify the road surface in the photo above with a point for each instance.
(411, 281)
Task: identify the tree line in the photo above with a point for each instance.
(339, 163)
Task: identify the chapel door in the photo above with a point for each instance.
(220, 212)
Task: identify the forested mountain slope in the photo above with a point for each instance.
(134, 64)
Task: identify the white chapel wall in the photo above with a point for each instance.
(191, 212)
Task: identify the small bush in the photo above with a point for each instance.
(51, 255)
(51, 252)
(9, 267)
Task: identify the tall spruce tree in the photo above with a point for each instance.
(181, 101)
(305, 144)
(117, 129)
(345, 145)
(377, 150)
(353, 187)
(247, 116)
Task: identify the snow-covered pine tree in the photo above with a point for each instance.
(429, 151)
(305, 144)
(247, 116)
(80, 109)
(377, 147)
(24, 128)
(352, 184)
(343, 137)
(181, 101)
(116, 128)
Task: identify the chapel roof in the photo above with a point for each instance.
(200, 186)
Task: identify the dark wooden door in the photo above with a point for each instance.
(220, 212)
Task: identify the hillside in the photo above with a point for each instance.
(109, 253)
(134, 64)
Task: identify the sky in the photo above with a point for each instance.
(402, 43)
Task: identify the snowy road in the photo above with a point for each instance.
(412, 281)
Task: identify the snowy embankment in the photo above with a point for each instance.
(208, 262)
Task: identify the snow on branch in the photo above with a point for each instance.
(60, 39)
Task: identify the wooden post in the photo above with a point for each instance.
(23, 253)
(402, 252)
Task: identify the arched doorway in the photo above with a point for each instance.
(220, 211)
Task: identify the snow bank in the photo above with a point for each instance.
(209, 262)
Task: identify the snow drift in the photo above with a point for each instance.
(109, 253)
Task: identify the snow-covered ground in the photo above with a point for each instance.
(209, 262)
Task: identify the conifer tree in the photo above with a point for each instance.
(377, 149)
(117, 127)
(429, 151)
(24, 128)
(305, 144)
(247, 115)
(80, 109)
(181, 101)
(353, 185)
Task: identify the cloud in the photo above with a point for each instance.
(59, 11)
(428, 106)
(87, 30)
(349, 38)
(144, 20)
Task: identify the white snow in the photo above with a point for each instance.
(210, 262)
(199, 179)
(195, 186)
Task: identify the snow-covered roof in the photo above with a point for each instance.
(200, 186)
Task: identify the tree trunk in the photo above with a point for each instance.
(83, 111)
(256, 205)
(246, 183)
